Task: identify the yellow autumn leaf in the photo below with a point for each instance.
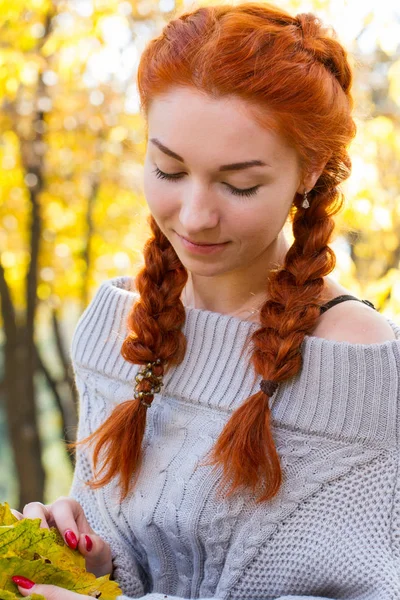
(43, 571)
(41, 555)
(6, 516)
(27, 539)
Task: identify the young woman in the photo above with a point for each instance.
(238, 433)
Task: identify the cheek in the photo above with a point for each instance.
(161, 202)
(258, 226)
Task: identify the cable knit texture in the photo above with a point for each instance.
(333, 530)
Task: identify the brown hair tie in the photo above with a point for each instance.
(268, 386)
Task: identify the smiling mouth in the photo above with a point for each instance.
(201, 243)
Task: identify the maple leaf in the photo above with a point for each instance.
(41, 555)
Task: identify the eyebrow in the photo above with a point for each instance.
(231, 167)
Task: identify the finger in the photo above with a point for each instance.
(78, 514)
(97, 554)
(37, 510)
(17, 514)
(50, 592)
(70, 520)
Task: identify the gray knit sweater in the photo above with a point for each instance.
(333, 531)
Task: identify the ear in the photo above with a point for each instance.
(311, 177)
(309, 181)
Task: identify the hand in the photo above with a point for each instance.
(50, 592)
(67, 515)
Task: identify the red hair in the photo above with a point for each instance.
(291, 69)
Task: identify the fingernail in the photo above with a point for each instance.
(89, 543)
(71, 539)
(23, 582)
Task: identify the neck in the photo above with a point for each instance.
(236, 293)
(248, 310)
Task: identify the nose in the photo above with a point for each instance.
(198, 210)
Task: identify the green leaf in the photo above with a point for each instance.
(41, 555)
(27, 539)
(6, 516)
(41, 571)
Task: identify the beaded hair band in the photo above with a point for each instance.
(149, 381)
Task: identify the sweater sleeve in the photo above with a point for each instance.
(125, 568)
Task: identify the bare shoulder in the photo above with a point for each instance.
(354, 322)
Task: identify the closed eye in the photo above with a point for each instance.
(235, 191)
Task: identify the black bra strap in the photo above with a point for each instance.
(343, 298)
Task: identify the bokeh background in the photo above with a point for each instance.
(72, 209)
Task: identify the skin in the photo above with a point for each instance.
(207, 133)
(52, 592)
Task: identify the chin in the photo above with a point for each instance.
(204, 270)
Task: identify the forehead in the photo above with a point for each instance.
(194, 124)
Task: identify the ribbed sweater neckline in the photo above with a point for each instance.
(344, 389)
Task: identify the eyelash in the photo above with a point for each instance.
(235, 191)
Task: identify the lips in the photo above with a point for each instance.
(201, 243)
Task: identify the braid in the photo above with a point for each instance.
(155, 338)
(157, 317)
(326, 49)
(246, 447)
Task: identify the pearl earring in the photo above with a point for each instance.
(306, 203)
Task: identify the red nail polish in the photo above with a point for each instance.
(23, 582)
(89, 543)
(70, 538)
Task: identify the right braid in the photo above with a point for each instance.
(295, 292)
